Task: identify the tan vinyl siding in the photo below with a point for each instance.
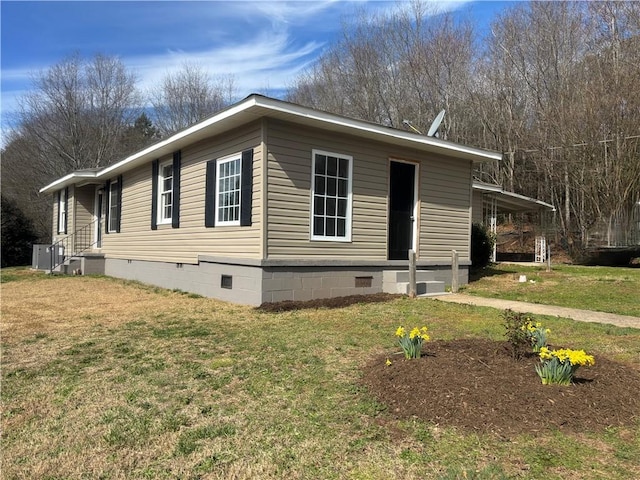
(54, 226)
(445, 209)
(83, 205)
(70, 214)
(84, 201)
(289, 186)
(444, 190)
(136, 240)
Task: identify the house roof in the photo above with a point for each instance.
(257, 106)
(509, 202)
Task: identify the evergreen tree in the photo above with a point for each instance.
(18, 234)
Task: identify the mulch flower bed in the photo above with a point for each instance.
(476, 385)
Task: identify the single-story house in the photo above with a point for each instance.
(268, 201)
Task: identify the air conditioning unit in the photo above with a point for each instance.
(42, 256)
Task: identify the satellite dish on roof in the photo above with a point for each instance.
(433, 129)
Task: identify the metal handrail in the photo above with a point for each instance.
(77, 242)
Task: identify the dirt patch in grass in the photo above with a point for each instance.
(476, 385)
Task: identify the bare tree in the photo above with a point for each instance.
(77, 111)
(188, 96)
(554, 86)
(75, 116)
(575, 67)
(409, 64)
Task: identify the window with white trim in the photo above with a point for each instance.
(331, 196)
(62, 211)
(113, 206)
(165, 192)
(229, 173)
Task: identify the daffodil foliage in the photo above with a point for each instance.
(536, 334)
(557, 367)
(411, 343)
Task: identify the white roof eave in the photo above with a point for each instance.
(257, 106)
(513, 201)
(67, 180)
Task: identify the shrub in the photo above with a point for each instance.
(516, 333)
(481, 247)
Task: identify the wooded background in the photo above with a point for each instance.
(554, 86)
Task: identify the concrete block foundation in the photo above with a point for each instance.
(255, 282)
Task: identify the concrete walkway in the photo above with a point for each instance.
(535, 308)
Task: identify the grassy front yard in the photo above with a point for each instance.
(104, 378)
(603, 289)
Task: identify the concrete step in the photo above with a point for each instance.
(432, 287)
(395, 276)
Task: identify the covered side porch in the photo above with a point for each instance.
(492, 201)
(79, 205)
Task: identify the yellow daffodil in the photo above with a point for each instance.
(545, 354)
(412, 343)
(388, 362)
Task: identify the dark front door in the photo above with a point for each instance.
(401, 206)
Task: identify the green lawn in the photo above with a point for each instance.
(604, 289)
(103, 378)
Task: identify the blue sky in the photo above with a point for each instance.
(262, 44)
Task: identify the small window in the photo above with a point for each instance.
(331, 197)
(165, 192)
(113, 206)
(228, 196)
(62, 211)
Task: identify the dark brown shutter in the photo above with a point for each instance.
(210, 195)
(246, 196)
(107, 189)
(66, 210)
(154, 195)
(119, 206)
(175, 201)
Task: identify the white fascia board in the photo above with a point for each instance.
(362, 126)
(260, 106)
(67, 180)
(183, 134)
(486, 187)
(516, 198)
(529, 199)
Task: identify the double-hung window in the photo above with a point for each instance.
(114, 206)
(165, 192)
(229, 192)
(62, 211)
(331, 196)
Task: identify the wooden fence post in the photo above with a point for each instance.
(454, 271)
(412, 274)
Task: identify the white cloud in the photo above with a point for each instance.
(262, 44)
(271, 57)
